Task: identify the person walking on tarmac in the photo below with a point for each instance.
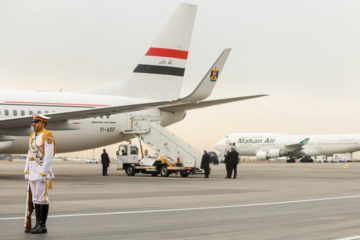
(105, 161)
(227, 162)
(205, 163)
(233, 161)
(38, 170)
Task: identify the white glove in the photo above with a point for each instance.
(26, 177)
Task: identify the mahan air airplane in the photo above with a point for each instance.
(267, 146)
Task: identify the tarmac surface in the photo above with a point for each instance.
(266, 201)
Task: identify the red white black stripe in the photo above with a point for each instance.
(155, 55)
(165, 52)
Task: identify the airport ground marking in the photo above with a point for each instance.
(193, 209)
(349, 238)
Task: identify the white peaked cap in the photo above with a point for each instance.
(40, 117)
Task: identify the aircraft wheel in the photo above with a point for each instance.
(291, 160)
(130, 171)
(164, 171)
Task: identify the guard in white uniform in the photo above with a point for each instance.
(38, 170)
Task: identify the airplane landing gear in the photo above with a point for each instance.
(290, 160)
(306, 160)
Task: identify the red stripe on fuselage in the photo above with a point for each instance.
(165, 52)
(64, 104)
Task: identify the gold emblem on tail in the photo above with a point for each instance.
(214, 74)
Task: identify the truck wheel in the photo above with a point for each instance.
(154, 174)
(164, 171)
(130, 171)
(184, 173)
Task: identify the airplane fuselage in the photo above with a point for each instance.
(252, 143)
(91, 133)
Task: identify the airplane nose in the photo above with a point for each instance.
(220, 145)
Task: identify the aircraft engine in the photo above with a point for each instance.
(4, 146)
(275, 153)
(261, 155)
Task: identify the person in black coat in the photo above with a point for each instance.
(105, 161)
(227, 162)
(205, 164)
(233, 162)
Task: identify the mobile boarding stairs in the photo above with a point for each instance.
(177, 155)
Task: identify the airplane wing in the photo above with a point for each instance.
(296, 146)
(189, 106)
(25, 122)
(20, 126)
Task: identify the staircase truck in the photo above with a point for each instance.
(177, 155)
(128, 159)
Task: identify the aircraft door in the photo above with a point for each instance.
(129, 121)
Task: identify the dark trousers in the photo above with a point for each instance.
(227, 169)
(231, 168)
(105, 170)
(207, 172)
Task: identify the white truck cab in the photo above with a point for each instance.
(127, 153)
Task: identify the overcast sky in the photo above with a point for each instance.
(305, 54)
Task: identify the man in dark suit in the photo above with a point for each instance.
(227, 163)
(205, 164)
(233, 162)
(105, 161)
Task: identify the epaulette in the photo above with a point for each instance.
(31, 135)
(47, 134)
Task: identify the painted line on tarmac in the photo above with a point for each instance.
(193, 209)
(349, 238)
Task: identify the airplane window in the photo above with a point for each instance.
(6, 112)
(46, 111)
(22, 113)
(107, 116)
(133, 150)
(30, 112)
(39, 112)
(101, 117)
(15, 113)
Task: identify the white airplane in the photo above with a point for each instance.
(100, 116)
(272, 145)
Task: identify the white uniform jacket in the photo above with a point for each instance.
(45, 143)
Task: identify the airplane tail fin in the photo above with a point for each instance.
(159, 74)
(293, 147)
(305, 141)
